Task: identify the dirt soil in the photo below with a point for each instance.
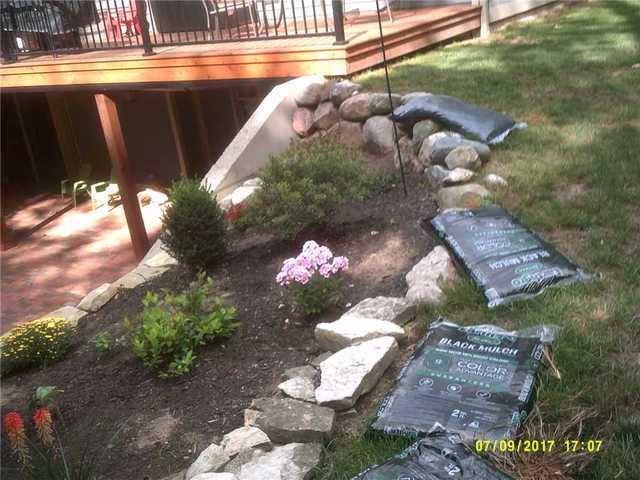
(146, 428)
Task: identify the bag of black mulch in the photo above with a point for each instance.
(470, 120)
(475, 381)
(438, 456)
(504, 258)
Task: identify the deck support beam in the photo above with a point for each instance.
(108, 112)
(177, 133)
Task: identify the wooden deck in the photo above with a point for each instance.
(412, 30)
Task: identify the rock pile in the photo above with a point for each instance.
(350, 116)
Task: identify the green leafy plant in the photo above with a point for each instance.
(194, 225)
(45, 396)
(35, 343)
(172, 326)
(104, 342)
(304, 186)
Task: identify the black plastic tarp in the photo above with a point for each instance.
(470, 120)
(438, 456)
(476, 381)
(503, 258)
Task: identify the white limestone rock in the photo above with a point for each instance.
(70, 314)
(429, 275)
(390, 309)
(211, 459)
(215, 476)
(294, 461)
(351, 330)
(97, 298)
(243, 438)
(354, 371)
(299, 388)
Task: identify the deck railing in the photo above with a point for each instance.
(31, 27)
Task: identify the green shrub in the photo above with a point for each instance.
(304, 186)
(104, 342)
(171, 327)
(193, 224)
(35, 343)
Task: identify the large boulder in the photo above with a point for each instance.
(436, 147)
(211, 459)
(325, 116)
(351, 330)
(470, 195)
(440, 176)
(378, 135)
(354, 371)
(379, 103)
(347, 133)
(356, 108)
(294, 461)
(436, 175)
(422, 130)
(285, 420)
(303, 121)
(464, 156)
(429, 275)
(343, 90)
(310, 91)
(244, 438)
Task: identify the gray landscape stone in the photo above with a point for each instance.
(161, 259)
(285, 420)
(425, 294)
(294, 461)
(129, 280)
(458, 176)
(470, 195)
(306, 371)
(242, 458)
(409, 158)
(495, 181)
(215, 476)
(437, 267)
(70, 314)
(343, 90)
(325, 116)
(437, 146)
(378, 135)
(437, 175)
(464, 156)
(244, 438)
(299, 388)
(379, 103)
(351, 330)
(390, 309)
(97, 298)
(302, 121)
(422, 130)
(149, 273)
(354, 371)
(347, 133)
(310, 92)
(316, 361)
(211, 459)
(355, 108)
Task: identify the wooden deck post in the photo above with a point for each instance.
(485, 17)
(108, 112)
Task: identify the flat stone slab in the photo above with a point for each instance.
(389, 309)
(352, 330)
(306, 371)
(300, 388)
(244, 438)
(285, 420)
(161, 259)
(211, 459)
(354, 371)
(215, 476)
(294, 461)
(70, 314)
(130, 280)
(98, 297)
(426, 279)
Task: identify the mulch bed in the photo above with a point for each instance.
(146, 428)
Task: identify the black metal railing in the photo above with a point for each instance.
(48, 26)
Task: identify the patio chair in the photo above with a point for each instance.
(103, 193)
(215, 8)
(78, 184)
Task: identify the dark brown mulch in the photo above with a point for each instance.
(147, 428)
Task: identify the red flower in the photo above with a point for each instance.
(44, 425)
(14, 428)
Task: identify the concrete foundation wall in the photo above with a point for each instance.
(268, 131)
(503, 9)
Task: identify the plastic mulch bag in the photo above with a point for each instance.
(438, 456)
(470, 120)
(504, 258)
(475, 381)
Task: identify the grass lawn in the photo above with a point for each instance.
(574, 177)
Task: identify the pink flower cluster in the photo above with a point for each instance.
(313, 259)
